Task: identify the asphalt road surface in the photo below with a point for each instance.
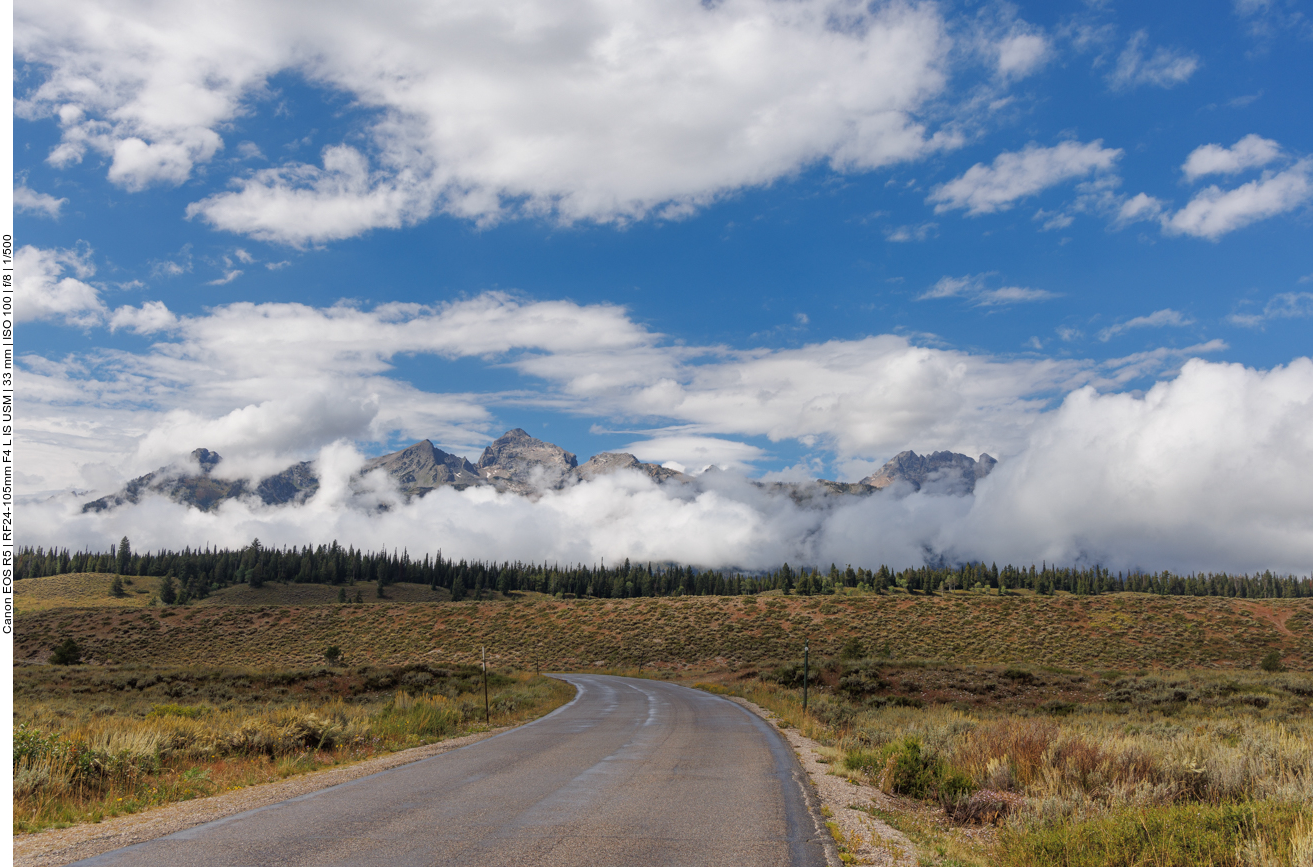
(632, 772)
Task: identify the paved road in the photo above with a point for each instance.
(632, 772)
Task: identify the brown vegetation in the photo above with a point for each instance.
(1126, 631)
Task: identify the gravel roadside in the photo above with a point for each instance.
(65, 845)
(864, 837)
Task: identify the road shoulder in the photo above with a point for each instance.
(859, 836)
(60, 846)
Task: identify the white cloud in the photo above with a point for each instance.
(585, 110)
(1053, 220)
(1163, 68)
(695, 453)
(1141, 206)
(44, 293)
(228, 276)
(903, 234)
(149, 318)
(31, 202)
(1285, 305)
(176, 267)
(973, 287)
(1020, 174)
(1020, 54)
(1250, 152)
(1011, 295)
(1265, 18)
(1108, 478)
(1137, 496)
(1157, 319)
(1214, 212)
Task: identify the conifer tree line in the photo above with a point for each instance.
(192, 574)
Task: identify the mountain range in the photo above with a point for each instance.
(521, 464)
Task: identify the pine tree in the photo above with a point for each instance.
(124, 560)
(116, 587)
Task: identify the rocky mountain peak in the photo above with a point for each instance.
(518, 462)
(938, 472)
(609, 462)
(422, 467)
(206, 458)
(522, 464)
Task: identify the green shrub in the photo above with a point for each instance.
(861, 683)
(953, 786)
(66, 653)
(1272, 661)
(790, 674)
(907, 769)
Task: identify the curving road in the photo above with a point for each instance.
(631, 772)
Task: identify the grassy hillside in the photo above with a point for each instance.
(1119, 631)
(91, 590)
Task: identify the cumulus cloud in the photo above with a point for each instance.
(277, 380)
(690, 453)
(1206, 471)
(1141, 206)
(1157, 319)
(149, 318)
(589, 110)
(1021, 53)
(1250, 152)
(29, 201)
(1214, 212)
(1164, 67)
(1020, 174)
(46, 293)
(1108, 476)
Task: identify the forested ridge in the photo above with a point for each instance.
(196, 573)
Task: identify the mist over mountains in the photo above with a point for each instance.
(521, 464)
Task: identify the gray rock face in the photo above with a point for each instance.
(423, 467)
(519, 463)
(940, 472)
(860, 489)
(610, 462)
(293, 484)
(522, 464)
(206, 491)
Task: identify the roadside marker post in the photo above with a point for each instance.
(487, 714)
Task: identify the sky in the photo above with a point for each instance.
(788, 239)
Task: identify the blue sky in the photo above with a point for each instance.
(791, 239)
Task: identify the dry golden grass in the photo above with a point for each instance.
(291, 624)
(80, 590)
(92, 744)
(1172, 770)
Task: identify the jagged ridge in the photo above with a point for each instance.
(522, 464)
